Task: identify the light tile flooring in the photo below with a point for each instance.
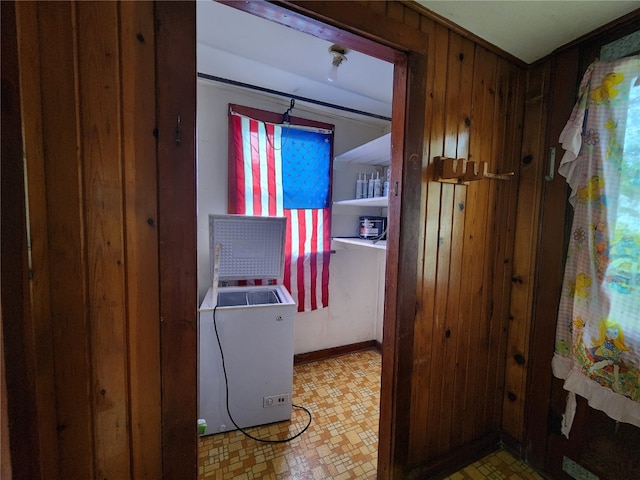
(343, 395)
(500, 465)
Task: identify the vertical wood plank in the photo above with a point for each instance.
(475, 236)
(510, 111)
(17, 344)
(525, 250)
(428, 245)
(137, 42)
(42, 329)
(481, 289)
(447, 289)
(464, 56)
(67, 257)
(99, 74)
(493, 232)
(565, 78)
(395, 11)
(176, 97)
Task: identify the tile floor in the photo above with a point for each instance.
(343, 395)
(500, 465)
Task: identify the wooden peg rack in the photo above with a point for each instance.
(462, 171)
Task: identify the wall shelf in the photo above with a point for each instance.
(361, 242)
(365, 202)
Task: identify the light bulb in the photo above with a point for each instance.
(332, 74)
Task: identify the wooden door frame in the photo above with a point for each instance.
(395, 42)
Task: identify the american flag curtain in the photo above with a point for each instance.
(285, 171)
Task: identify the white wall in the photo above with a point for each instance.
(354, 311)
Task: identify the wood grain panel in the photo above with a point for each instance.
(176, 99)
(448, 280)
(506, 148)
(17, 344)
(476, 226)
(463, 56)
(99, 95)
(388, 29)
(565, 78)
(525, 251)
(402, 267)
(430, 206)
(41, 329)
(66, 241)
(137, 41)
(387, 423)
(488, 376)
(459, 331)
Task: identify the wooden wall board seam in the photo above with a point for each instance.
(18, 403)
(99, 73)
(526, 221)
(423, 335)
(479, 263)
(30, 93)
(465, 57)
(515, 127)
(139, 179)
(175, 56)
(451, 337)
(66, 238)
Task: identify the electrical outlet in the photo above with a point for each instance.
(275, 400)
(576, 471)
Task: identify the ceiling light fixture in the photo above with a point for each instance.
(339, 56)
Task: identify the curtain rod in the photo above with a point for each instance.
(286, 95)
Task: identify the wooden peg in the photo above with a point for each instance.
(500, 176)
(475, 171)
(450, 170)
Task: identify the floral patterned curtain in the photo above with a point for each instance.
(598, 333)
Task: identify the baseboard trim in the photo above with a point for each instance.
(335, 351)
(512, 445)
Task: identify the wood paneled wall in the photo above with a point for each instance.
(535, 157)
(88, 96)
(454, 368)
(474, 110)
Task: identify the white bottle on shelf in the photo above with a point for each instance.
(385, 188)
(371, 187)
(377, 186)
(360, 186)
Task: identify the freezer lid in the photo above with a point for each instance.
(250, 247)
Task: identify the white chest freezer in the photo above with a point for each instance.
(245, 357)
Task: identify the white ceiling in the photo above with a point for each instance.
(239, 46)
(530, 30)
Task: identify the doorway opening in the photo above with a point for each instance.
(370, 126)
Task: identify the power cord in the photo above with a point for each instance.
(226, 386)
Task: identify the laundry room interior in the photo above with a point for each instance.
(362, 145)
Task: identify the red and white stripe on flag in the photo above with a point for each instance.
(257, 190)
